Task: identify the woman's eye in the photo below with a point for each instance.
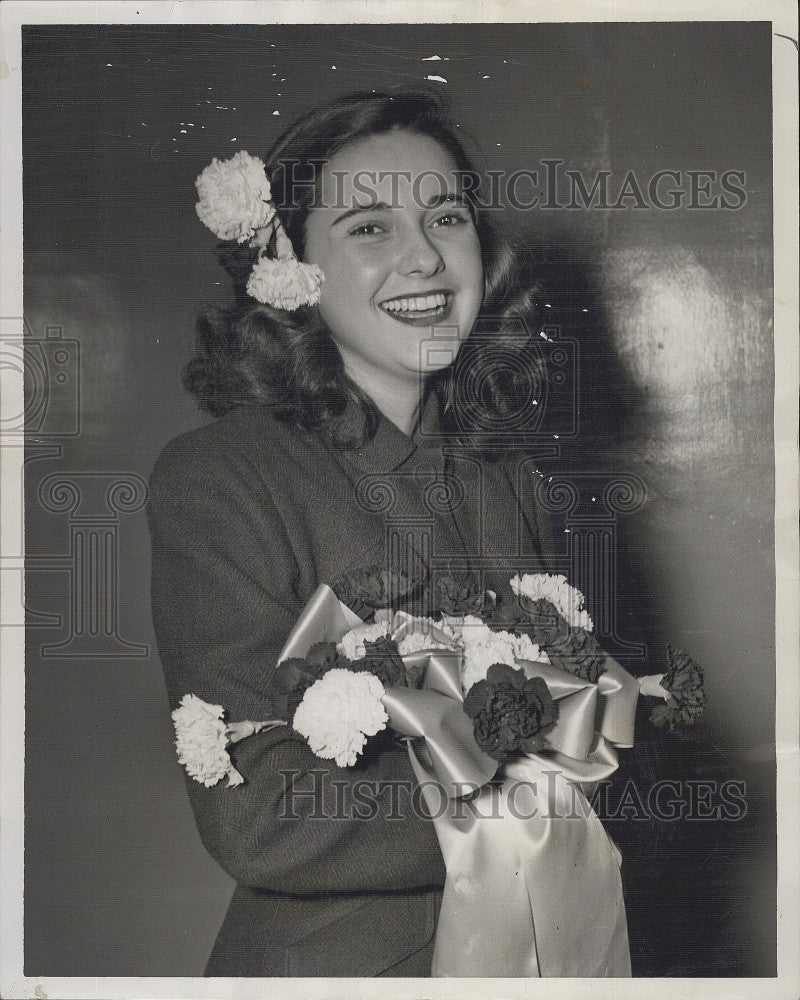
(452, 219)
(366, 229)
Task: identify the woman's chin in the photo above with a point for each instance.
(432, 350)
(433, 355)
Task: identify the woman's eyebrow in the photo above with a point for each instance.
(374, 206)
(446, 197)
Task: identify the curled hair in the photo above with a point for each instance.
(249, 353)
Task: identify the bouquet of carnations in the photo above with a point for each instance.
(509, 707)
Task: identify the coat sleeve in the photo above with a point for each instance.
(539, 519)
(224, 599)
(535, 526)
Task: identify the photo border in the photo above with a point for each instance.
(783, 16)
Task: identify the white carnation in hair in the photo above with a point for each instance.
(567, 599)
(234, 197)
(352, 645)
(338, 712)
(284, 283)
(202, 739)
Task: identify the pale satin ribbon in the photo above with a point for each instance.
(323, 619)
(533, 885)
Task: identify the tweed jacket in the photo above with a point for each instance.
(247, 516)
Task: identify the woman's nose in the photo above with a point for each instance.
(420, 256)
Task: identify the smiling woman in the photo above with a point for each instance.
(367, 427)
(378, 190)
(397, 269)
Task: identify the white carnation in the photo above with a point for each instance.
(202, 740)
(483, 646)
(481, 652)
(413, 642)
(234, 197)
(470, 631)
(284, 283)
(423, 633)
(338, 712)
(525, 649)
(546, 586)
(352, 645)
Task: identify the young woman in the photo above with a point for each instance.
(379, 426)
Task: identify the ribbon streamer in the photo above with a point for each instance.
(533, 885)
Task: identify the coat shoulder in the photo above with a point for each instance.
(250, 436)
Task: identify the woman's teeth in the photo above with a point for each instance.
(419, 303)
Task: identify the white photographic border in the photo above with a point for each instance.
(783, 15)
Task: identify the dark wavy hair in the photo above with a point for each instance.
(253, 354)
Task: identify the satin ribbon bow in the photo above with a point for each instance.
(528, 893)
(593, 719)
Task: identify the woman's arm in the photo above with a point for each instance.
(224, 599)
(536, 531)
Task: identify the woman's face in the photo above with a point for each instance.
(400, 254)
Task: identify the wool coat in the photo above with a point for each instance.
(338, 871)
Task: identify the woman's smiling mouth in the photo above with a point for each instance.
(419, 310)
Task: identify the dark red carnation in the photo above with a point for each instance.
(568, 647)
(510, 712)
(365, 590)
(577, 651)
(384, 661)
(684, 680)
(459, 594)
(324, 656)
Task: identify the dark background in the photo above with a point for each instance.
(671, 312)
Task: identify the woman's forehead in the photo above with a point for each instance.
(400, 169)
